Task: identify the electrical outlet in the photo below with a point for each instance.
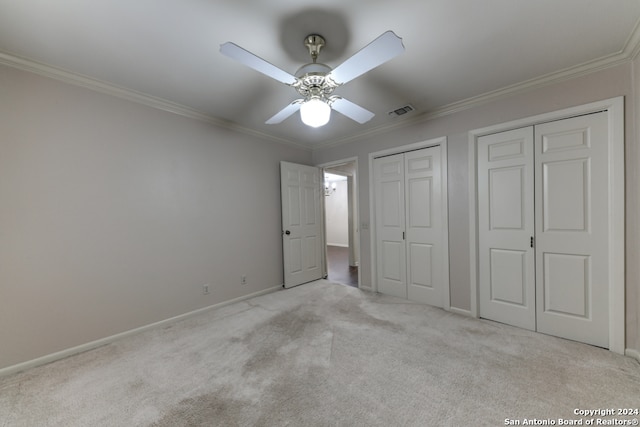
(243, 279)
(205, 289)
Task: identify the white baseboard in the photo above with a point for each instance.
(461, 311)
(632, 353)
(107, 340)
(366, 288)
(340, 245)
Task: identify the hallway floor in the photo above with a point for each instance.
(338, 266)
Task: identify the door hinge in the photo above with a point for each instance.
(531, 241)
(403, 235)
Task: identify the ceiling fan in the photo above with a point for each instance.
(315, 82)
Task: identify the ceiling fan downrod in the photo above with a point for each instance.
(314, 43)
(312, 81)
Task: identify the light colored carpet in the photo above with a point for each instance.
(323, 354)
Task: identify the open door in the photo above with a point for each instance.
(341, 222)
(302, 241)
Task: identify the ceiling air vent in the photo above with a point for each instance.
(401, 111)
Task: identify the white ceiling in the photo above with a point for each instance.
(166, 51)
(331, 177)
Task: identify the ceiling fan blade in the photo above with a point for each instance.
(379, 51)
(285, 112)
(351, 110)
(234, 51)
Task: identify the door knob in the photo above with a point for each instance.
(287, 232)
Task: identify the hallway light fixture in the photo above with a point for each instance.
(329, 189)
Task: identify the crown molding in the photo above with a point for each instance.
(528, 85)
(629, 52)
(632, 46)
(97, 85)
(505, 92)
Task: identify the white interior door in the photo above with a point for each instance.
(301, 223)
(546, 186)
(423, 198)
(391, 262)
(506, 228)
(409, 225)
(572, 222)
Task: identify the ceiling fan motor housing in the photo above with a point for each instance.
(313, 80)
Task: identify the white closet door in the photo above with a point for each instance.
(390, 254)
(505, 228)
(301, 223)
(572, 220)
(423, 197)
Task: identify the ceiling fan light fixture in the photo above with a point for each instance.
(315, 82)
(315, 112)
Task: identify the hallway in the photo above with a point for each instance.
(338, 266)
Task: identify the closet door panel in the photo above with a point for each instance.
(505, 227)
(424, 225)
(390, 223)
(572, 224)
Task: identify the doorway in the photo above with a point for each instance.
(341, 222)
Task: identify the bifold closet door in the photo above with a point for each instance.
(390, 254)
(408, 194)
(572, 223)
(423, 221)
(543, 221)
(506, 227)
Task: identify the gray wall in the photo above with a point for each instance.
(609, 83)
(113, 215)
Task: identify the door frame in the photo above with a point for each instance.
(615, 109)
(442, 142)
(356, 206)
